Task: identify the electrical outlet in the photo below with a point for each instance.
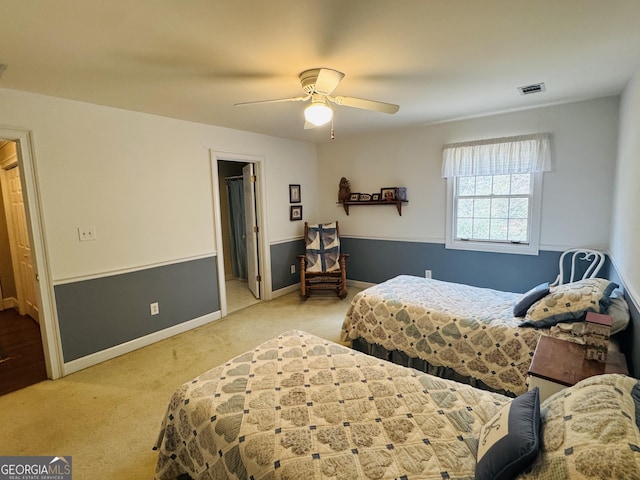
(293, 268)
(86, 233)
(155, 308)
(427, 274)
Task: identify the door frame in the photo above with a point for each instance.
(11, 230)
(264, 257)
(252, 236)
(49, 330)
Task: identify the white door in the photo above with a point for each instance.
(251, 223)
(19, 236)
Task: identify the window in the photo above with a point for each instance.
(494, 193)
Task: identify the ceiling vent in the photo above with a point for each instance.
(534, 88)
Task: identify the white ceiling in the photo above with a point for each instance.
(437, 59)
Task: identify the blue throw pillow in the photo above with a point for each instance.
(509, 442)
(529, 298)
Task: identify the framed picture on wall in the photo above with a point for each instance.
(294, 194)
(295, 212)
(388, 194)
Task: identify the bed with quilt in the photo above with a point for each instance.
(301, 407)
(480, 336)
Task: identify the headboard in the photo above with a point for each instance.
(579, 263)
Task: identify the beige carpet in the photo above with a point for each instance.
(107, 417)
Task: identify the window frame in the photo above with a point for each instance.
(531, 248)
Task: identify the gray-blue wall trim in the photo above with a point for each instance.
(375, 261)
(104, 312)
(630, 338)
(283, 255)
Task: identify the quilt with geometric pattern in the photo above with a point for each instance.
(322, 250)
(468, 329)
(301, 407)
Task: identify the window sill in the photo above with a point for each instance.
(513, 248)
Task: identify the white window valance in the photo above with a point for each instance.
(497, 156)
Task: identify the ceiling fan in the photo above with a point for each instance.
(318, 84)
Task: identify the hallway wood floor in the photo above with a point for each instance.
(21, 355)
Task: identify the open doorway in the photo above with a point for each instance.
(22, 360)
(239, 228)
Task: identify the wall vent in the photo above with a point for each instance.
(534, 88)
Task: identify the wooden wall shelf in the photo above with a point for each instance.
(397, 203)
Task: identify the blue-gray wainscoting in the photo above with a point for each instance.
(375, 261)
(630, 338)
(104, 312)
(283, 255)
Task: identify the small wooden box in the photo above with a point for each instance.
(597, 331)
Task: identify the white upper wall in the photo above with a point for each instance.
(625, 249)
(143, 181)
(577, 194)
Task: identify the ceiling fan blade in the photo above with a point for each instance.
(277, 100)
(365, 104)
(328, 80)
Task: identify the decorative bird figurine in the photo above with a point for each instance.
(344, 192)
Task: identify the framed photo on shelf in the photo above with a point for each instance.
(354, 197)
(388, 194)
(294, 194)
(375, 197)
(364, 197)
(295, 212)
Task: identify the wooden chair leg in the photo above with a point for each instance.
(342, 291)
(304, 293)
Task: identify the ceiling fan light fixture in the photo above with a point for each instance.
(318, 112)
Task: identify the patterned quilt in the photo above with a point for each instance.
(300, 407)
(590, 431)
(468, 329)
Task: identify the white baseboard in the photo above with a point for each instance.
(284, 291)
(113, 352)
(296, 287)
(359, 284)
(109, 353)
(9, 302)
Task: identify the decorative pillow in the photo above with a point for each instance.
(570, 302)
(509, 442)
(529, 298)
(589, 431)
(619, 311)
